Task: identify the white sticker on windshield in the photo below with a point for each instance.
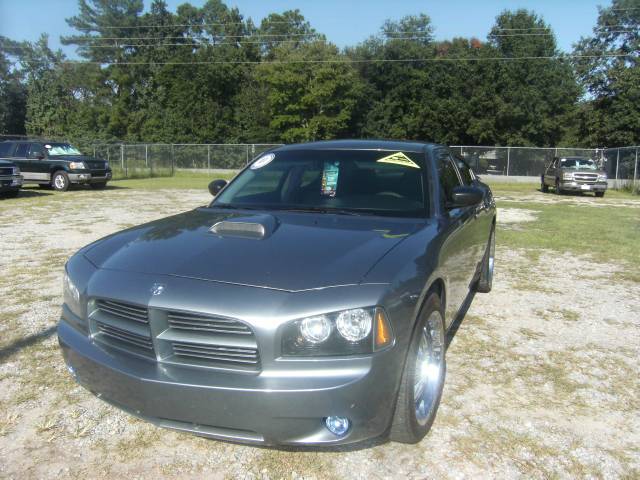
(47, 146)
(262, 161)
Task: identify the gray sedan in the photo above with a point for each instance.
(308, 304)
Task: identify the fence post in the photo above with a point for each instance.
(209, 159)
(617, 166)
(247, 157)
(635, 169)
(508, 159)
(146, 155)
(122, 164)
(172, 161)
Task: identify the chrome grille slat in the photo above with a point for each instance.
(125, 336)
(211, 353)
(125, 311)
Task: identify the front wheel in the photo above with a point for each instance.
(60, 181)
(558, 188)
(423, 376)
(544, 188)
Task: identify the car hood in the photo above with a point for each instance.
(285, 251)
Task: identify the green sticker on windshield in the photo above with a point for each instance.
(399, 159)
(330, 178)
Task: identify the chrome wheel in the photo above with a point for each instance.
(428, 369)
(59, 182)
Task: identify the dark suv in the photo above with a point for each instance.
(55, 164)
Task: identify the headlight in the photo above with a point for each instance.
(567, 176)
(346, 332)
(78, 166)
(71, 294)
(16, 171)
(602, 178)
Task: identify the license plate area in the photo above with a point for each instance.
(585, 187)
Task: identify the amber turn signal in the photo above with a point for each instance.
(384, 336)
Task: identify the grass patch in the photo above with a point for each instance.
(608, 234)
(180, 181)
(506, 188)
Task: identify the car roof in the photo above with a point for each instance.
(390, 145)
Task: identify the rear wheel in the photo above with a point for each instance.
(60, 181)
(423, 376)
(98, 186)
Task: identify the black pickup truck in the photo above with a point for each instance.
(55, 164)
(10, 179)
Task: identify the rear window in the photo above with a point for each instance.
(374, 182)
(21, 150)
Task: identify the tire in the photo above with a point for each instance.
(60, 181)
(98, 186)
(558, 188)
(600, 194)
(485, 281)
(544, 188)
(413, 415)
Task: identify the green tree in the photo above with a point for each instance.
(13, 94)
(610, 75)
(312, 93)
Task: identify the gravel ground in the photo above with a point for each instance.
(542, 373)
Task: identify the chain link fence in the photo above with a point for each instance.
(156, 159)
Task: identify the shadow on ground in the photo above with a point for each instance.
(21, 343)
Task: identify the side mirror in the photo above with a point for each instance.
(40, 156)
(465, 197)
(216, 186)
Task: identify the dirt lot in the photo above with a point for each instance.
(543, 373)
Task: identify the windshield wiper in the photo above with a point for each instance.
(231, 206)
(324, 210)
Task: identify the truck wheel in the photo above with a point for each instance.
(558, 189)
(600, 194)
(544, 188)
(60, 181)
(98, 186)
(423, 376)
(485, 281)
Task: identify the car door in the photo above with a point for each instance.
(458, 251)
(38, 163)
(482, 221)
(19, 157)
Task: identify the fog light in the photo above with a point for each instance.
(337, 425)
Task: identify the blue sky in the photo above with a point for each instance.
(344, 22)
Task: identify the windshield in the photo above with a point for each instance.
(576, 163)
(62, 149)
(340, 181)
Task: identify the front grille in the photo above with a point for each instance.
(203, 323)
(6, 171)
(123, 326)
(585, 177)
(98, 173)
(231, 355)
(209, 340)
(177, 337)
(125, 336)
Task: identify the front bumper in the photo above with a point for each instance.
(277, 406)
(86, 178)
(10, 183)
(573, 186)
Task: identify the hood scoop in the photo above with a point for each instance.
(254, 227)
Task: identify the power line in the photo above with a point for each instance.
(345, 60)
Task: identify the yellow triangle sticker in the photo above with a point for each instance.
(399, 159)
